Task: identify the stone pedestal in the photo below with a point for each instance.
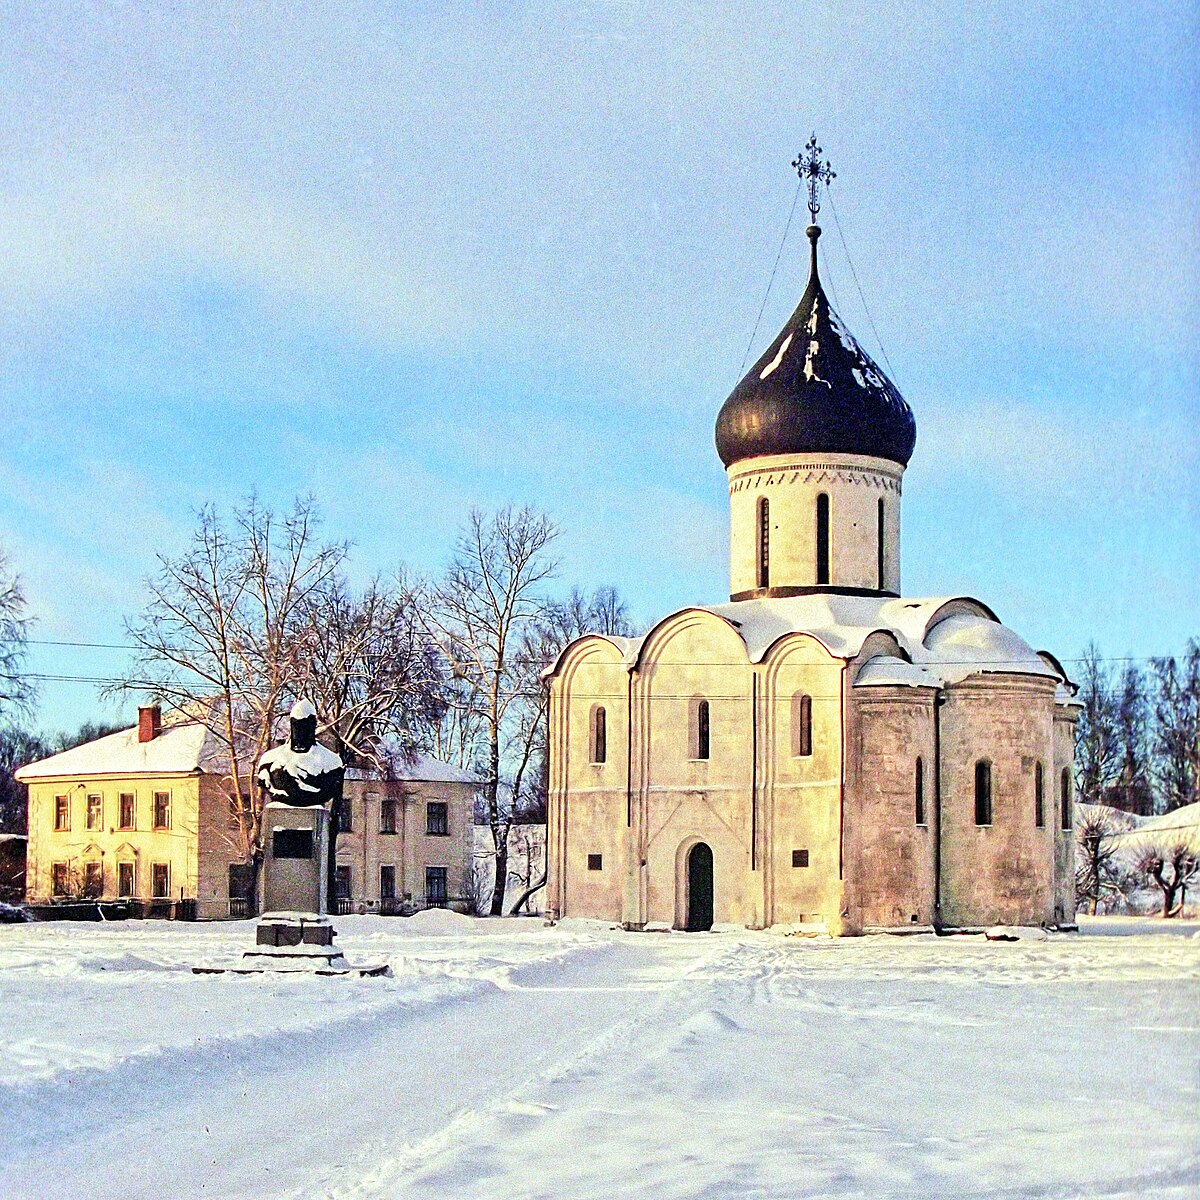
(295, 868)
(296, 941)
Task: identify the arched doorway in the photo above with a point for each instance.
(700, 887)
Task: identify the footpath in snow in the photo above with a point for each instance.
(505, 1059)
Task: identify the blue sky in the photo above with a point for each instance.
(415, 257)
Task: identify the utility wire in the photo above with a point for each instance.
(854, 273)
(770, 282)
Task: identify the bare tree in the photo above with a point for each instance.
(1097, 741)
(1095, 873)
(1175, 742)
(374, 674)
(603, 611)
(478, 612)
(222, 637)
(18, 748)
(16, 688)
(1171, 867)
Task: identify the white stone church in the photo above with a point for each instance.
(821, 750)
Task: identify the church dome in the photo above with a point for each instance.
(815, 391)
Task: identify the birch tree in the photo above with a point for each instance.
(478, 613)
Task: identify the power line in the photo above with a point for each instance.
(778, 256)
(518, 661)
(854, 273)
(80, 645)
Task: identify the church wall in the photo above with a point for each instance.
(1064, 840)
(801, 794)
(791, 484)
(681, 799)
(1001, 873)
(889, 856)
(588, 806)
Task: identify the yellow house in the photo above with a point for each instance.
(129, 816)
(142, 816)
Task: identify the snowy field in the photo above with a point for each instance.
(509, 1060)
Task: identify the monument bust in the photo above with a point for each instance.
(302, 773)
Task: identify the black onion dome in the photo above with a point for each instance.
(815, 390)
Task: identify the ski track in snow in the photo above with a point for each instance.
(523, 1062)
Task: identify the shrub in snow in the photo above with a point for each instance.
(12, 914)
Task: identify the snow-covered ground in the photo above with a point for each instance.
(508, 1060)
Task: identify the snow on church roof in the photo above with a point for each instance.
(942, 639)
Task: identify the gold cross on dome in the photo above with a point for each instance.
(810, 167)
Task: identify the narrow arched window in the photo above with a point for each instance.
(1066, 798)
(764, 542)
(599, 734)
(920, 791)
(801, 725)
(879, 540)
(983, 792)
(1039, 796)
(823, 538)
(700, 729)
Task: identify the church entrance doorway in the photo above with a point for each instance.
(700, 887)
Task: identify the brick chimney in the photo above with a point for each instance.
(149, 722)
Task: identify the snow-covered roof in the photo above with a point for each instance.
(424, 769)
(1181, 826)
(181, 748)
(943, 639)
(884, 670)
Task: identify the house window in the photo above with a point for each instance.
(160, 881)
(387, 816)
(436, 894)
(1065, 788)
(387, 882)
(125, 880)
(822, 538)
(127, 810)
(162, 810)
(983, 792)
(701, 729)
(920, 791)
(345, 819)
(341, 882)
(764, 542)
(801, 725)
(62, 812)
(59, 878)
(95, 812)
(595, 862)
(599, 734)
(437, 818)
(1039, 796)
(799, 858)
(879, 539)
(93, 880)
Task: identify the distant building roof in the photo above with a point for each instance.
(1180, 827)
(423, 769)
(183, 747)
